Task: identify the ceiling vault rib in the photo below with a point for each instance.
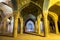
(22, 7)
(36, 4)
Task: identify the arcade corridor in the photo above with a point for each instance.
(29, 19)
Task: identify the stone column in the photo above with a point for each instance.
(48, 26)
(38, 25)
(56, 27)
(4, 27)
(21, 28)
(15, 24)
(45, 15)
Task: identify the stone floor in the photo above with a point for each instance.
(31, 37)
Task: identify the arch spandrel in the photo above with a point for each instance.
(52, 2)
(53, 15)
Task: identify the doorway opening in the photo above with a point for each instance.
(51, 25)
(29, 26)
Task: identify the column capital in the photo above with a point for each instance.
(45, 13)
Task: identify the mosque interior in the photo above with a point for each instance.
(29, 19)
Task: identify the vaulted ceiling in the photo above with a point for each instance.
(31, 9)
(36, 5)
(55, 9)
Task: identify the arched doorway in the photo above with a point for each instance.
(51, 25)
(29, 26)
(55, 9)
